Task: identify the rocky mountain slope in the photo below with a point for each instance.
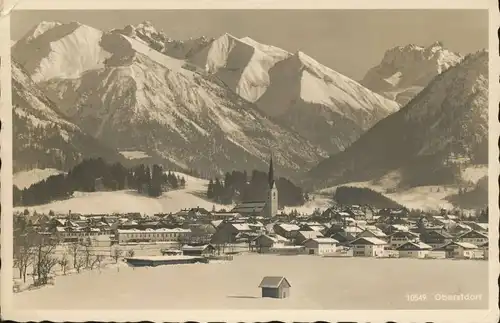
(322, 105)
(132, 97)
(441, 131)
(406, 70)
(43, 138)
(327, 108)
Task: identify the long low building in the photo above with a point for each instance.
(151, 235)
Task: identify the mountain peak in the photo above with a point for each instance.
(435, 44)
(406, 70)
(40, 29)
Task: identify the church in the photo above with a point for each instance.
(268, 208)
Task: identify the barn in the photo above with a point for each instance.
(275, 287)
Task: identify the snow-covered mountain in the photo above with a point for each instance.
(42, 136)
(132, 97)
(406, 70)
(322, 105)
(326, 107)
(443, 130)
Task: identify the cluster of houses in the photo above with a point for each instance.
(338, 231)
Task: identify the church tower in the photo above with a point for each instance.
(272, 193)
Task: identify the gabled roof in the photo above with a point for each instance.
(241, 226)
(324, 240)
(273, 237)
(464, 245)
(406, 234)
(376, 233)
(443, 234)
(310, 234)
(273, 282)
(473, 233)
(410, 245)
(368, 241)
(289, 227)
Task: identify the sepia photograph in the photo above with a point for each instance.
(264, 159)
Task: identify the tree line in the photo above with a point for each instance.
(346, 195)
(39, 255)
(237, 186)
(95, 174)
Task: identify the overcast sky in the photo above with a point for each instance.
(349, 41)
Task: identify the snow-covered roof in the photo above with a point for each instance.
(415, 246)
(466, 245)
(162, 230)
(289, 227)
(371, 240)
(241, 226)
(325, 240)
(310, 234)
(316, 227)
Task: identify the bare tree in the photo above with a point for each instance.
(130, 253)
(87, 252)
(117, 253)
(23, 252)
(79, 262)
(97, 261)
(45, 260)
(64, 263)
(74, 250)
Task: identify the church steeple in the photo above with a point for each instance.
(270, 174)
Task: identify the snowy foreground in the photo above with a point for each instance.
(317, 283)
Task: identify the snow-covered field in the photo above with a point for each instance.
(27, 178)
(474, 173)
(134, 154)
(127, 201)
(422, 197)
(335, 283)
(193, 195)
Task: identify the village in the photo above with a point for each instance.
(338, 231)
(45, 243)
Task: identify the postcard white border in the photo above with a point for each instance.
(8, 312)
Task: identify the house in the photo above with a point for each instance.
(314, 227)
(265, 242)
(368, 247)
(344, 238)
(198, 212)
(286, 230)
(304, 235)
(474, 237)
(151, 235)
(461, 250)
(413, 249)
(373, 233)
(320, 246)
(224, 215)
(204, 250)
(267, 208)
(227, 232)
(275, 287)
(485, 248)
(399, 238)
(435, 238)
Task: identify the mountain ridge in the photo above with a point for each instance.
(443, 127)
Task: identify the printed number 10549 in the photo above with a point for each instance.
(416, 297)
